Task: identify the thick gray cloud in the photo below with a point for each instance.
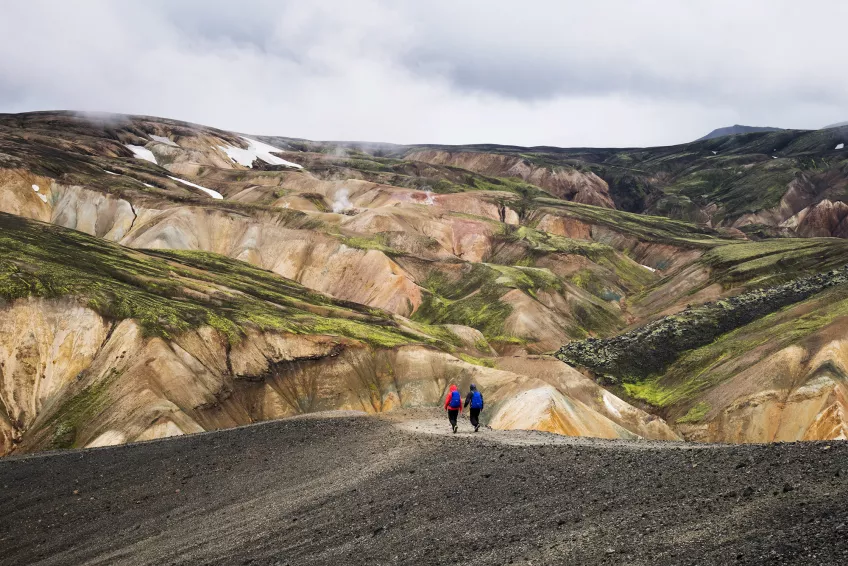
(535, 72)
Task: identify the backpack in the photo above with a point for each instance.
(455, 400)
(476, 400)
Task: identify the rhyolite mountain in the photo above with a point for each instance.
(159, 278)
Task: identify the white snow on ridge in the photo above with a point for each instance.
(255, 149)
(43, 198)
(163, 139)
(142, 153)
(839, 146)
(210, 192)
(651, 269)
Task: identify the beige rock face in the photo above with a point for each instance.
(307, 256)
(544, 408)
(590, 396)
(564, 226)
(43, 346)
(793, 395)
(93, 213)
(17, 195)
(454, 237)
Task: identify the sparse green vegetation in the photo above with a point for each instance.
(316, 199)
(471, 300)
(484, 362)
(695, 414)
(378, 242)
(78, 410)
(639, 226)
(771, 262)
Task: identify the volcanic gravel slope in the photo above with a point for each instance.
(362, 490)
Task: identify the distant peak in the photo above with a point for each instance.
(737, 129)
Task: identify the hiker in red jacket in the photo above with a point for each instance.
(453, 405)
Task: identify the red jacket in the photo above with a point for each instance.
(448, 398)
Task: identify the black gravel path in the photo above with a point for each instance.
(359, 490)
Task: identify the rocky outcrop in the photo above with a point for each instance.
(650, 349)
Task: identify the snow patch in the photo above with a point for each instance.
(429, 200)
(774, 157)
(210, 192)
(839, 146)
(163, 139)
(255, 149)
(341, 201)
(43, 198)
(651, 269)
(115, 174)
(715, 152)
(141, 152)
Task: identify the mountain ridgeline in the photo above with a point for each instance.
(737, 129)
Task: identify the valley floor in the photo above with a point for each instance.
(398, 490)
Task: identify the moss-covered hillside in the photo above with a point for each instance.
(169, 292)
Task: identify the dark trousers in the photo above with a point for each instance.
(452, 414)
(475, 417)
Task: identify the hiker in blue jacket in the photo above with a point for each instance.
(475, 399)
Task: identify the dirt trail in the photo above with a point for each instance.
(398, 490)
(429, 422)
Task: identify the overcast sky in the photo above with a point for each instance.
(456, 71)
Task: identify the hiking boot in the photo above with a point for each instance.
(454, 429)
(476, 428)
